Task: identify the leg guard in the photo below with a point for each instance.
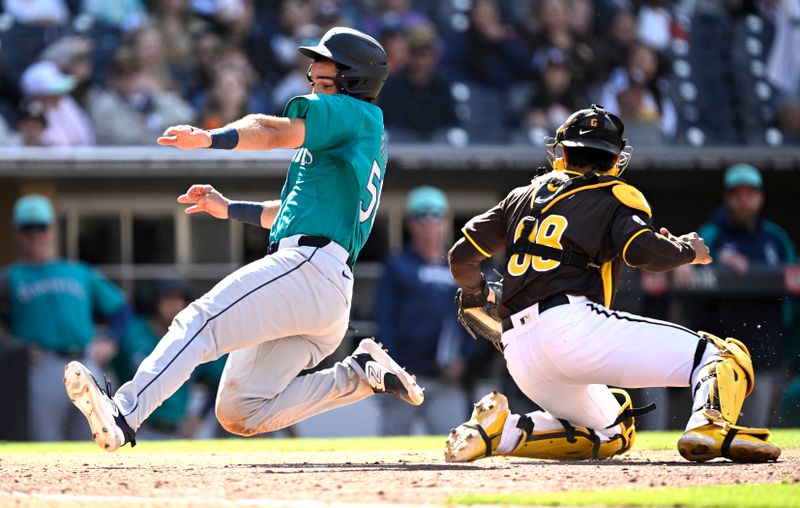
(480, 436)
(731, 378)
(580, 443)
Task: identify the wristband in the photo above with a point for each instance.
(246, 211)
(224, 139)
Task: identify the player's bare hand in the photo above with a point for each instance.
(205, 198)
(185, 137)
(702, 254)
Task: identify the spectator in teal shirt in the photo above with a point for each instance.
(49, 304)
(173, 418)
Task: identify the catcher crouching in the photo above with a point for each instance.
(564, 237)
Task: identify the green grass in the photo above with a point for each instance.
(778, 495)
(787, 438)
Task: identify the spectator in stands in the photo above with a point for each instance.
(490, 51)
(395, 41)
(613, 50)
(398, 13)
(150, 51)
(295, 24)
(73, 56)
(234, 18)
(67, 122)
(552, 27)
(555, 95)
(174, 418)
(643, 90)
(655, 23)
(130, 111)
(783, 68)
(124, 15)
(178, 28)
(31, 124)
(417, 103)
(37, 12)
(227, 100)
(49, 304)
(416, 321)
(741, 240)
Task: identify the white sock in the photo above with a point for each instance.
(509, 439)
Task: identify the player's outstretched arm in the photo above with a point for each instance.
(253, 132)
(205, 198)
(185, 137)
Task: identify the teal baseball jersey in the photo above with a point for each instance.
(53, 305)
(334, 183)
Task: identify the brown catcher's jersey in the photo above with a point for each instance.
(594, 215)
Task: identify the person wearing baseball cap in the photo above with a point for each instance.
(68, 124)
(740, 239)
(413, 310)
(48, 304)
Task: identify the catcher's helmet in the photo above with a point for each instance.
(361, 59)
(593, 127)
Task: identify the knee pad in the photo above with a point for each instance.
(581, 443)
(732, 379)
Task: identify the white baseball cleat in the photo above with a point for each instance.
(384, 375)
(109, 428)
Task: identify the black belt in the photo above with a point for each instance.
(546, 304)
(308, 241)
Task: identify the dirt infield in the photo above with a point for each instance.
(338, 478)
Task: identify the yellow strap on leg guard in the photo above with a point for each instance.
(732, 379)
(580, 443)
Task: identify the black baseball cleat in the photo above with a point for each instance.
(384, 375)
(109, 428)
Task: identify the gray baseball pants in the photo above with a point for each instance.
(276, 316)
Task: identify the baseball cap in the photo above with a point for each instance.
(44, 79)
(742, 174)
(426, 201)
(33, 209)
(593, 127)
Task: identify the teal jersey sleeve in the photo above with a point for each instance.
(329, 123)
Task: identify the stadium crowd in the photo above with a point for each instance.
(117, 72)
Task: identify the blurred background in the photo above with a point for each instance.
(474, 86)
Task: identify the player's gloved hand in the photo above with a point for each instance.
(205, 198)
(477, 312)
(185, 137)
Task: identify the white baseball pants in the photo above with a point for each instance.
(564, 359)
(276, 316)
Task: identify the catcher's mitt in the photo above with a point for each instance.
(478, 315)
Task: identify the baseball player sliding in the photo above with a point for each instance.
(565, 236)
(285, 312)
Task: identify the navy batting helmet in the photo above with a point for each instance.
(361, 59)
